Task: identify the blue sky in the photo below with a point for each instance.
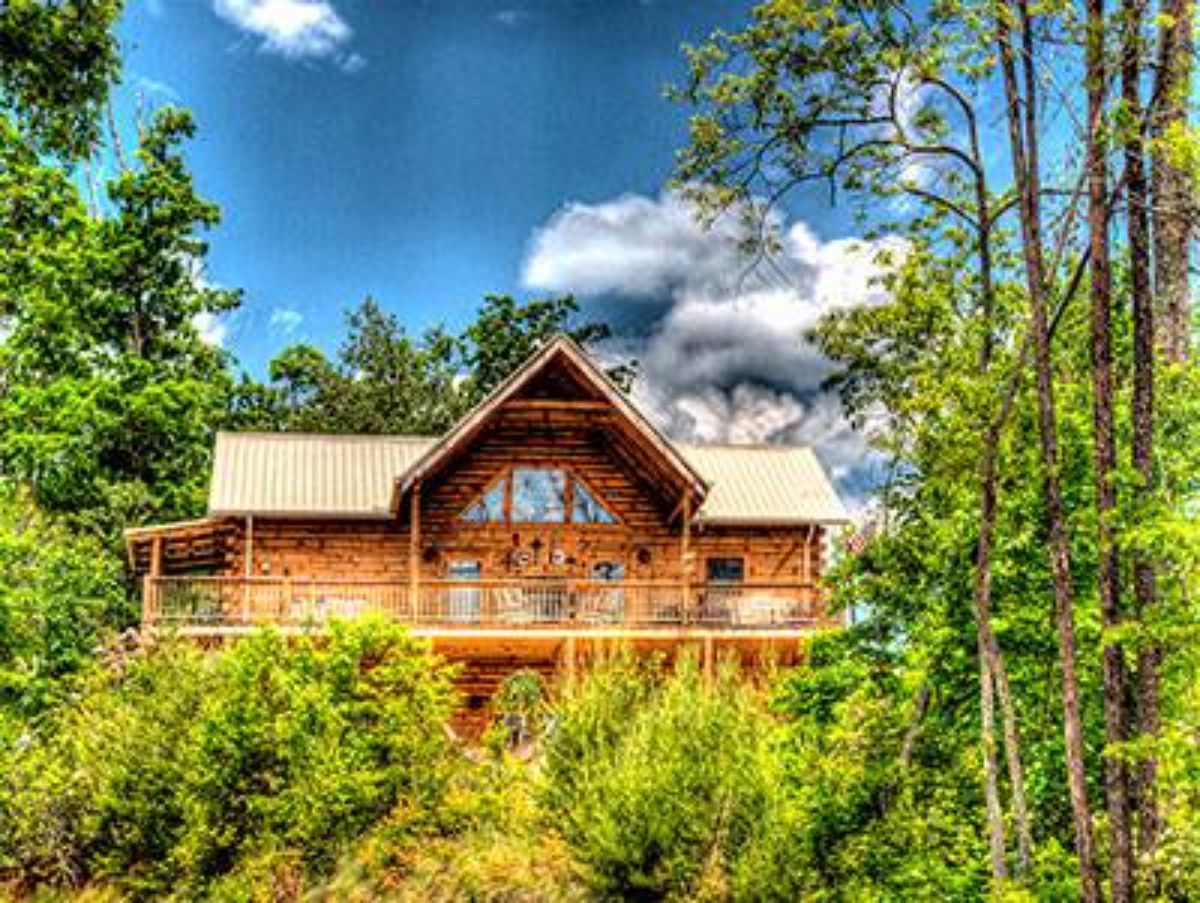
(418, 174)
(426, 152)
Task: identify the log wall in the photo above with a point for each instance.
(647, 539)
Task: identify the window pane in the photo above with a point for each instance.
(609, 570)
(586, 508)
(726, 570)
(538, 495)
(490, 507)
(465, 601)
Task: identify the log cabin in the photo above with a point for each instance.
(551, 519)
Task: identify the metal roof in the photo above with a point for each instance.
(764, 484)
(352, 477)
(309, 474)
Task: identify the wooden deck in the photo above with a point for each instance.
(491, 628)
(496, 608)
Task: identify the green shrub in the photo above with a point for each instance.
(203, 773)
(59, 593)
(95, 790)
(304, 748)
(663, 784)
(490, 843)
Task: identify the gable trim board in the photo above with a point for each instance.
(562, 346)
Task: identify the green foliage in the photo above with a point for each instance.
(886, 805)
(109, 397)
(59, 593)
(506, 332)
(386, 381)
(57, 63)
(187, 770)
(489, 842)
(663, 785)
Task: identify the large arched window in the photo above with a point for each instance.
(538, 495)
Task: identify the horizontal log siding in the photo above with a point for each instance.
(549, 439)
(645, 539)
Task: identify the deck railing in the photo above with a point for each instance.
(524, 604)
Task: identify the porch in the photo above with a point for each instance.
(222, 604)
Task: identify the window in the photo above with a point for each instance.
(465, 601)
(726, 570)
(606, 604)
(586, 508)
(490, 507)
(538, 495)
(609, 570)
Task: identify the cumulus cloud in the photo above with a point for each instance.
(294, 29)
(285, 321)
(212, 328)
(724, 358)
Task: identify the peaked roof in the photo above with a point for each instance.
(366, 477)
(352, 477)
(560, 348)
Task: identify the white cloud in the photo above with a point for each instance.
(511, 18)
(212, 328)
(294, 29)
(155, 88)
(632, 246)
(353, 63)
(725, 359)
(284, 321)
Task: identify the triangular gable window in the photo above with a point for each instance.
(587, 509)
(538, 495)
(490, 507)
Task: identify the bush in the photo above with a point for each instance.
(267, 758)
(664, 785)
(96, 790)
(59, 593)
(490, 844)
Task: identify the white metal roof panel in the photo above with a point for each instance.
(339, 476)
(304, 474)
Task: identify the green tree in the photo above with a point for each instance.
(387, 381)
(880, 100)
(109, 396)
(59, 593)
(58, 62)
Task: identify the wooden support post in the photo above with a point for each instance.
(685, 556)
(150, 585)
(569, 656)
(414, 552)
(806, 593)
(248, 568)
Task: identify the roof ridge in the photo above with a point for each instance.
(749, 446)
(290, 434)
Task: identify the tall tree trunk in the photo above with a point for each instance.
(993, 679)
(1174, 208)
(1104, 452)
(1138, 228)
(1023, 140)
(991, 771)
(1016, 773)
